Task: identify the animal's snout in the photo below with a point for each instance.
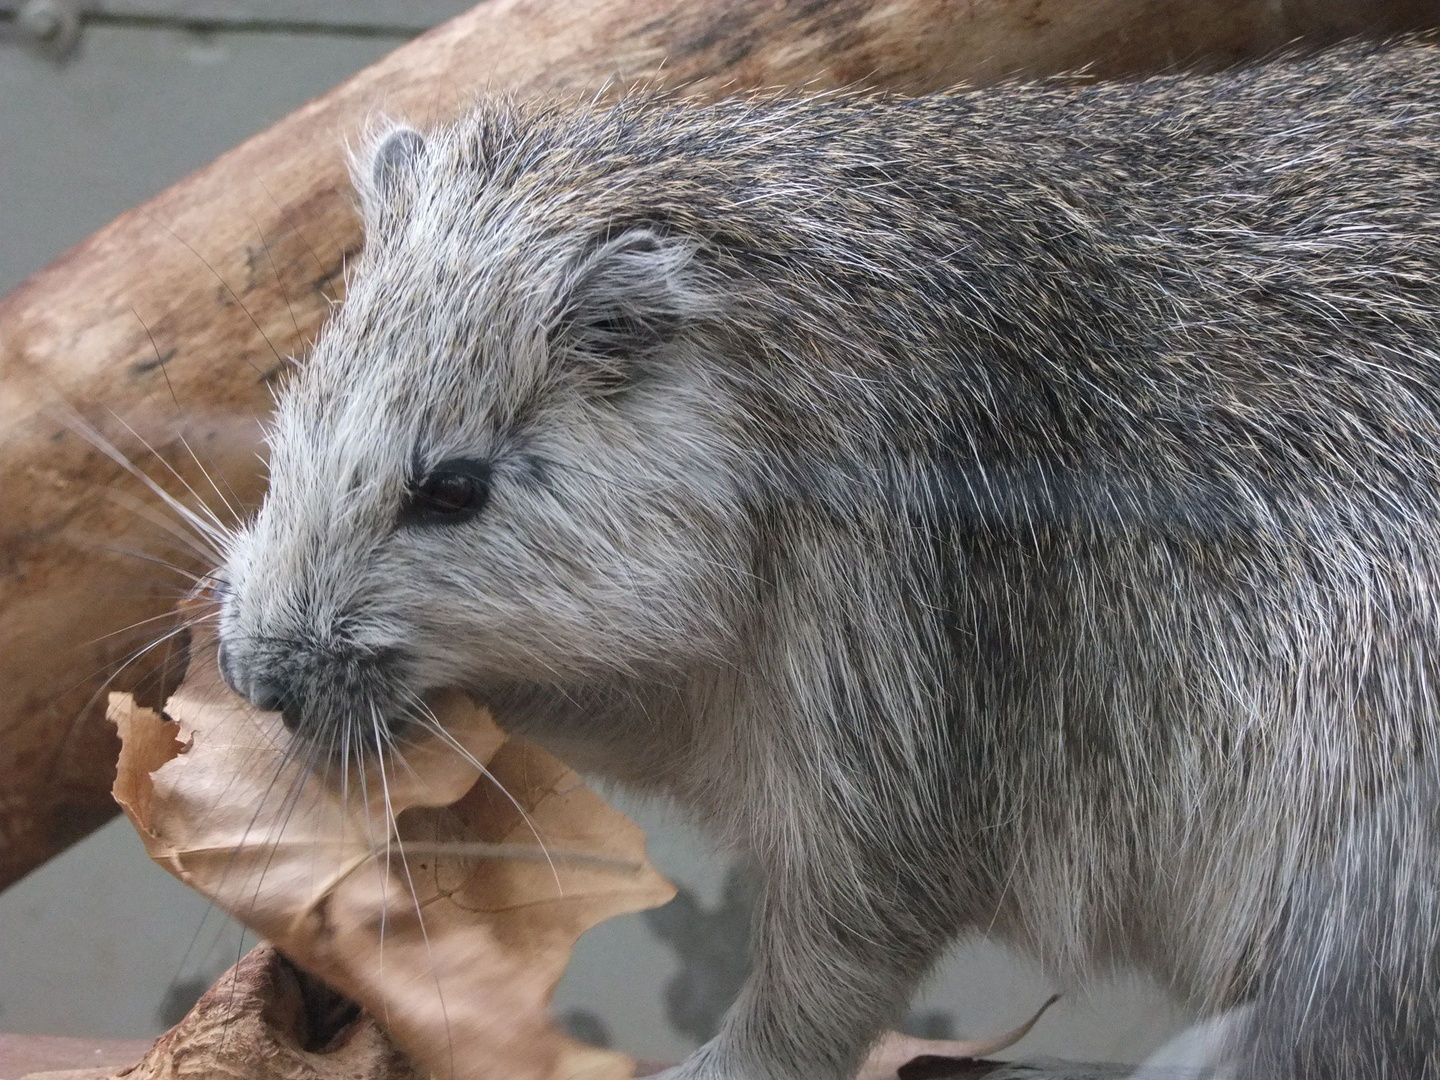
(267, 692)
(272, 696)
(318, 691)
(267, 695)
(227, 672)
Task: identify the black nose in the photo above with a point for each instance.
(268, 695)
(274, 696)
(292, 716)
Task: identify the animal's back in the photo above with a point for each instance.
(1028, 509)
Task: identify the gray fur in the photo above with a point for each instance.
(1014, 511)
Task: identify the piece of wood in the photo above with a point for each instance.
(22, 1055)
(1044, 1069)
(178, 318)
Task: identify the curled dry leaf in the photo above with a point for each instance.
(895, 1050)
(442, 896)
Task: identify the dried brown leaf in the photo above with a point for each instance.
(443, 915)
(448, 912)
(896, 1049)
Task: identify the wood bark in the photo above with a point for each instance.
(1045, 1069)
(169, 328)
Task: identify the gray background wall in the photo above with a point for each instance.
(101, 942)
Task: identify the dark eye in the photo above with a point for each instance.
(452, 491)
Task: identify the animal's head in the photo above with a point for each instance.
(504, 462)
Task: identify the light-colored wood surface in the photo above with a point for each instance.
(37, 1056)
(177, 319)
(23, 1055)
(1045, 1069)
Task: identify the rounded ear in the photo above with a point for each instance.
(625, 298)
(395, 157)
(385, 166)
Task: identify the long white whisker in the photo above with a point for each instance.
(208, 471)
(393, 828)
(189, 623)
(217, 535)
(430, 722)
(165, 371)
(215, 525)
(198, 579)
(196, 546)
(134, 656)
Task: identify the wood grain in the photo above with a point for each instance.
(21, 1055)
(176, 320)
(1044, 1069)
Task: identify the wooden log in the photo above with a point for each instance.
(1044, 1069)
(21, 1055)
(176, 319)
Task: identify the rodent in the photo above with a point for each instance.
(1014, 510)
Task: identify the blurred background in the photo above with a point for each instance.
(100, 942)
